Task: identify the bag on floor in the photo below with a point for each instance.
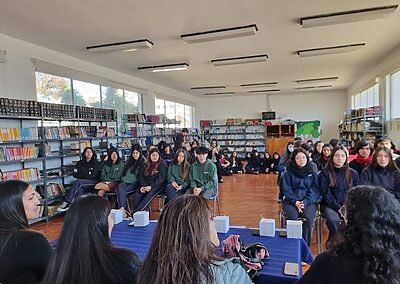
(252, 255)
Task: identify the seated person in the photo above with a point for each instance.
(363, 151)
(369, 249)
(225, 166)
(185, 224)
(267, 163)
(111, 173)
(276, 160)
(24, 253)
(153, 178)
(254, 164)
(236, 163)
(87, 173)
(202, 175)
(84, 252)
(130, 177)
(178, 175)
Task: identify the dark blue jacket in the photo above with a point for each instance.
(334, 196)
(383, 177)
(297, 189)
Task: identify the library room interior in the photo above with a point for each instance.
(200, 142)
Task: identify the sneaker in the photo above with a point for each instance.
(240, 172)
(64, 207)
(221, 180)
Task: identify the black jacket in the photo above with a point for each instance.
(383, 177)
(157, 180)
(87, 170)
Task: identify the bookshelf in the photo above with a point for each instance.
(234, 134)
(277, 137)
(366, 123)
(42, 140)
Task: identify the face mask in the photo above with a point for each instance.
(291, 149)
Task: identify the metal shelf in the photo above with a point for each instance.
(20, 161)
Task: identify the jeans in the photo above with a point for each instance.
(332, 220)
(80, 187)
(142, 200)
(123, 190)
(172, 193)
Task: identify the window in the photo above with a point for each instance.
(180, 112)
(86, 94)
(53, 89)
(131, 102)
(366, 98)
(394, 96)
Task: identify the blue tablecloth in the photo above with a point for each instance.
(281, 249)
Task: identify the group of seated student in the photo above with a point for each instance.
(304, 186)
(183, 250)
(145, 178)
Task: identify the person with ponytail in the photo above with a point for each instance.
(363, 151)
(300, 191)
(152, 180)
(24, 253)
(334, 182)
(178, 175)
(326, 152)
(368, 250)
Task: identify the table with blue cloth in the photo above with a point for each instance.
(138, 239)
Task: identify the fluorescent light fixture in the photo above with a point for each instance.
(330, 50)
(126, 46)
(165, 68)
(316, 80)
(2, 56)
(255, 85)
(265, 91)
(219, 94)
(314, 87)
(209, 88)
(347, 16)
(220, 34)
(240, 60)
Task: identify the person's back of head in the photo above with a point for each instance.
(372, 233)
(183, 245)
(84, 253)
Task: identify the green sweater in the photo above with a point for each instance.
(112, 173)
(203, 175)
(175, 175)
(130, 177)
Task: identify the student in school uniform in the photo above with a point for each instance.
(225, 166)
(178, 175)
(153, 179)
(334, 181)
(203, 175)
(299, 185)
(254, 164)
(363, 151)
(382, 171)
(326, 152)
(111, 173)
(24, 253)
(87, 173)
(276, 159)
(130, 176)
(236, 163)
(267, 163)
(214, 155)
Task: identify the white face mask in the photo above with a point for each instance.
(291, 148)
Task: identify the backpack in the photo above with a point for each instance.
(252, 255)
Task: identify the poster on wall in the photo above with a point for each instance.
(309, 130)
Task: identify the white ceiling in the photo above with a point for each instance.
(69, 26)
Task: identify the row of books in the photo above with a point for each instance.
(15, 107)
(29, 174)
(18, 153)
(52, 189)
(104, 131)
(14, 133)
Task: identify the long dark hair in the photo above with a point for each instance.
(109, 153)
(94, 157)
(363, 143)
(181, 250)
(133, 164)
(330, 168)
(84, 253)
(151, 167)
(185, 165)
(12, 212)
(372, 233)
(374, 163)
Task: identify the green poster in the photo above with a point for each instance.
(309, 130)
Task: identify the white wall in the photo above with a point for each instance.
(326, 106)
(17, 75)
(386, 65)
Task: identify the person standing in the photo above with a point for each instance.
(180, 138)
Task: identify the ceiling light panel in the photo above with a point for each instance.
(348, 16)
(316, 80)
(240, 60)
(265, 91)
(165, 68)
(314, 87)
(220, 34)
(219, 93)
(330, 50)
(256, 85)
(209, 88)
(126, 46)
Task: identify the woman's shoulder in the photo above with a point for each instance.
(229, 271)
